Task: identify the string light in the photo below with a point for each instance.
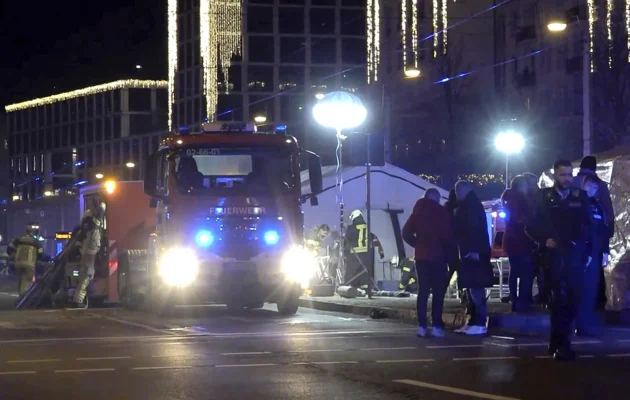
(444, 25)
(610, 5)
(414, 31)
(106, 87)
(220, 40)
(172, 58)
(403, 31)
(436, 11)
(628, 26)
(591, 26)
(377, 35)
(370, 40)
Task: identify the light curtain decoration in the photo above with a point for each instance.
(373, 18)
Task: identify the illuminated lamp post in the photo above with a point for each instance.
(342, 110)
(509, 142)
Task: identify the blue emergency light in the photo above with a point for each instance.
(271, 238)
(204, 238)
(502, 214)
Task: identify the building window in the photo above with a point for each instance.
(261, 105)
(291, 20)
(352, 51)
(90, 132)
(291, 78)
(323, 78)
(260, 79)
(354, 22)
(291, 108)
(293, 50)
(261, 49)
(323, 21)
(354, 79)
(259, 19)
(230, 107)
(324, 51)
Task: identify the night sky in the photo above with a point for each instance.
(52, 47)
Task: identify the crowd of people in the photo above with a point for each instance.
(557, 236)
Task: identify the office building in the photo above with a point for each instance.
(274, 57)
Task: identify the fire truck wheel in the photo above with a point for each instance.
(288, 306)
(235, 305)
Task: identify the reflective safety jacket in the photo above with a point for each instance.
(356, 239)
(25, 250)
(91, 234)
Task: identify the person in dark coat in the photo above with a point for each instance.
(475, 271)
(588, 167)
(518, 245)
(429, 230)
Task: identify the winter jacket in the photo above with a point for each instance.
(429, 231)
(92, 228)
(603, 197)
(471, 232)
(26, 251)
(515, 240)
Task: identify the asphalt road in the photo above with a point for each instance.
(209, 353)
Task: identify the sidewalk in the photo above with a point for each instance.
(454, 316)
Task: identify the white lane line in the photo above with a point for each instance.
(67, 371)
(10, 294)
(247, 353)
(624, 340)
(176, 356)
(134, 324)
(544, 357)
(162, 367)
(18, 372)
(454, 390)
(316, 351)
(404, 361)
(333, 362)
(456, 346)
(243, 365)
(619, 355)
(587, 342)
(587, 356)
(388, 348)
(484, 358)
(33, 361)
(532, 344)
(102, 358)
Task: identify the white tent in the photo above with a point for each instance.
(394, 194)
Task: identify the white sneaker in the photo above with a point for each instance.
(437, 332)
(463, 329)
(476, 330)
(422, 332)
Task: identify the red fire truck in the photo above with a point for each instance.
(218, 219)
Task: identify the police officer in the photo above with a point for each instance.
(91, 235)
(587, 320)
(358, 265)
(562, 223)
(26, 251)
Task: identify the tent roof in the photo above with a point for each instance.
(609, 155)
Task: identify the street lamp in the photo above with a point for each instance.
(341, 110)
(412, 72)
(130, 164)
(99, 176)
(509, 142)
(259, 119)
(558, 25)
(48, 193)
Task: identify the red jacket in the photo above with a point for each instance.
(429, 230)
(515, 240)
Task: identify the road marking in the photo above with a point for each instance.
(247, 353)
(623, 340)
(532, 345)
(587, 356)
(454, 390)
(66, 371)
(544, 357)
(456, 346)
(619, 355)
(484, 358)
(10, 294)
(33, 361)
(404, 361)
(134, 324)
(18, 372)
(102, 358)
(243, 365)
(587, 342)
(388, 348)
(333, 362)
(162, 367)
(316, 351)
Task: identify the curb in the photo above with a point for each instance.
(520, 324)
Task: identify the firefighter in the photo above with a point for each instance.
(91, 234)
(26, 251)
(358, 265)
(409, 276)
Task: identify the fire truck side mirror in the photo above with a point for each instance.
(152, 173)
(315, 174)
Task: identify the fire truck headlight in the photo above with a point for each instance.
(179, 266)
(298, 266)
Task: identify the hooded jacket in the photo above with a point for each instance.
(429, 230)
(602, 196)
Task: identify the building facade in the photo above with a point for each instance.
(289, 51)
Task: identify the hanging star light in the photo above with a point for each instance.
(436, 11)
(444, 25)
(220, 40)
(610, 5)
(172, 57)
(414, 31)
(591, 31)
(403, 31)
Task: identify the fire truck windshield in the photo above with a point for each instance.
(199, 170)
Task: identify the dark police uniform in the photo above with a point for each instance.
(568, 221)
(587, 318)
